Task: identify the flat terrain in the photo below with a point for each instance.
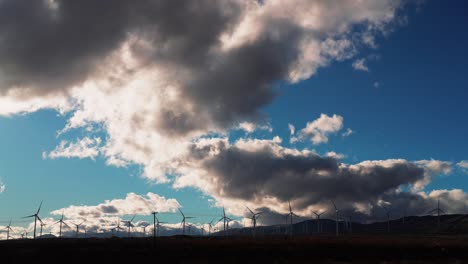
(275, 249)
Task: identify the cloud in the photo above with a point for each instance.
(132, 204)
(250, 127)
(292, 129)
(360, 65)
(376, 84)
(84, 148)
(463, 164)
(335, 155)
(2, 187)
(318, 130)
(256, 172)
(347, 133)
(433, 167)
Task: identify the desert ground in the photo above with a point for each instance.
(267, 249)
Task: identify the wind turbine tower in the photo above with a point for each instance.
(183, 221)
(387, 213)
(337, 217)
(438, 210)
(36, 217)
(317, 214)
(130, 225)
(254, 220)
(61, 222)
(290, 216)
(8, 228)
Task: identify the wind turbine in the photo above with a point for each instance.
(224, 218)
(61, 222)
(42, 225)
(290, 216)
(210, 226)
(183, 220)
(189, 228)
(387, 212)
(337, 215)
(154, 224)
(157, 225)
(438, 210)
(130, 225)
(118, 227)
(8, 228)
(77, 227)
(317, 214)
(254, 219)
(36, 217)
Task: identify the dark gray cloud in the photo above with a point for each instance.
(49, 46)
(259, 172)
(243, 173)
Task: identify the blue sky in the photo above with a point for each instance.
(410, 104)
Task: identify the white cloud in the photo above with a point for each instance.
(250, 127)
(335, 155)
(376, 84)
(463, 164)
(83, 148)
(2, 187)
(319, 130)
(360, 65)
(348, 132)
(292, 129)
(432, 167)
(132, 204)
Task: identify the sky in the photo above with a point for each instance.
(199, 106)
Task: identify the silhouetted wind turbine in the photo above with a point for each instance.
(77, 228)
(130, 225)
(158, 226)
(154, 224)
(387, 212)
(438, 210)
(254, 219)
(337, 215)
(290, 216)
(317, 214)
(61, 222)
(8, 228)
(36, 217)
(42, 225)
(224, 218)
(210, 226)
(183, 220)
(118, 227)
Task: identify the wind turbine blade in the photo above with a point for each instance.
(250, 210)
(40, 220)
(39, 207)
(28, 216)
(181, 212)
(189, 217)
(334, 205)
(132, 218)
(9, 223)
(290, 210)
